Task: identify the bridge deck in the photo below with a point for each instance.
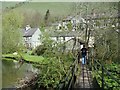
(84, 80)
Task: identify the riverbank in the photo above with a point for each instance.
(27, 82)
(13, 77)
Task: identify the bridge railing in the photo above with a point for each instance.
(102, 72)
(68, 82)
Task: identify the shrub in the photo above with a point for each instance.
(39, 50)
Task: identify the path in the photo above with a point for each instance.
(85, 78)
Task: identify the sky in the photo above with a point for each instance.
(12, 0)
(66, 0)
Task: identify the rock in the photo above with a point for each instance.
(27, 81)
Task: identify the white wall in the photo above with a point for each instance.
(91, 42)
(27, 41)
(81, 46)
(68, 38)
(35, 38)
(54, 38)
(61, 39)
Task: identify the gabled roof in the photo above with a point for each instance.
(29, 32)
(64, 33)
(73, 34)
(68, 18)
(56, 23)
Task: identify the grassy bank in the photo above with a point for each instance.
(56, 8)
(26, 57)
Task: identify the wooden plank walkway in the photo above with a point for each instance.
(84, 80)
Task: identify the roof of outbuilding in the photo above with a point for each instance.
(64, 33)
(68, 18)
(29, 32)
(56, 23)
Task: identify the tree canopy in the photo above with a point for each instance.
(11, 37)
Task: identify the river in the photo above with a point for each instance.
(11, 72)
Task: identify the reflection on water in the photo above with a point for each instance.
(10, 74)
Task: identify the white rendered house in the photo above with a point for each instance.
(31, 37)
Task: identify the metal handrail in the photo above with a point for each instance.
(73, 73)
(69, 82)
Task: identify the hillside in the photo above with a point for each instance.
(58, 8)
(55, 8)
(8, 4)
(34, 12)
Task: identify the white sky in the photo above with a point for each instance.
(66, 0)
(12, 0)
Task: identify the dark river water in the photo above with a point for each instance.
(12, 72)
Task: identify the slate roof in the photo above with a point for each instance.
(64, 33)
(29, 32)
(56, 23)
(68, 18)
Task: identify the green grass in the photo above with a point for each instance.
(26, 57)
(59, 8)
(56, 8)
(10, 55)
(33, 58)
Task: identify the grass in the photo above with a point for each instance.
(59, 9)
(63, 9)
(26, 57)
(33, 58)
(56, 8)
(10, 55)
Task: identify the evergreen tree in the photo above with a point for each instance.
(47, 17)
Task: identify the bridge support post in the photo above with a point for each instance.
(102, 78)
(92, 58)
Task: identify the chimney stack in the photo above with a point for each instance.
(27, 27)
